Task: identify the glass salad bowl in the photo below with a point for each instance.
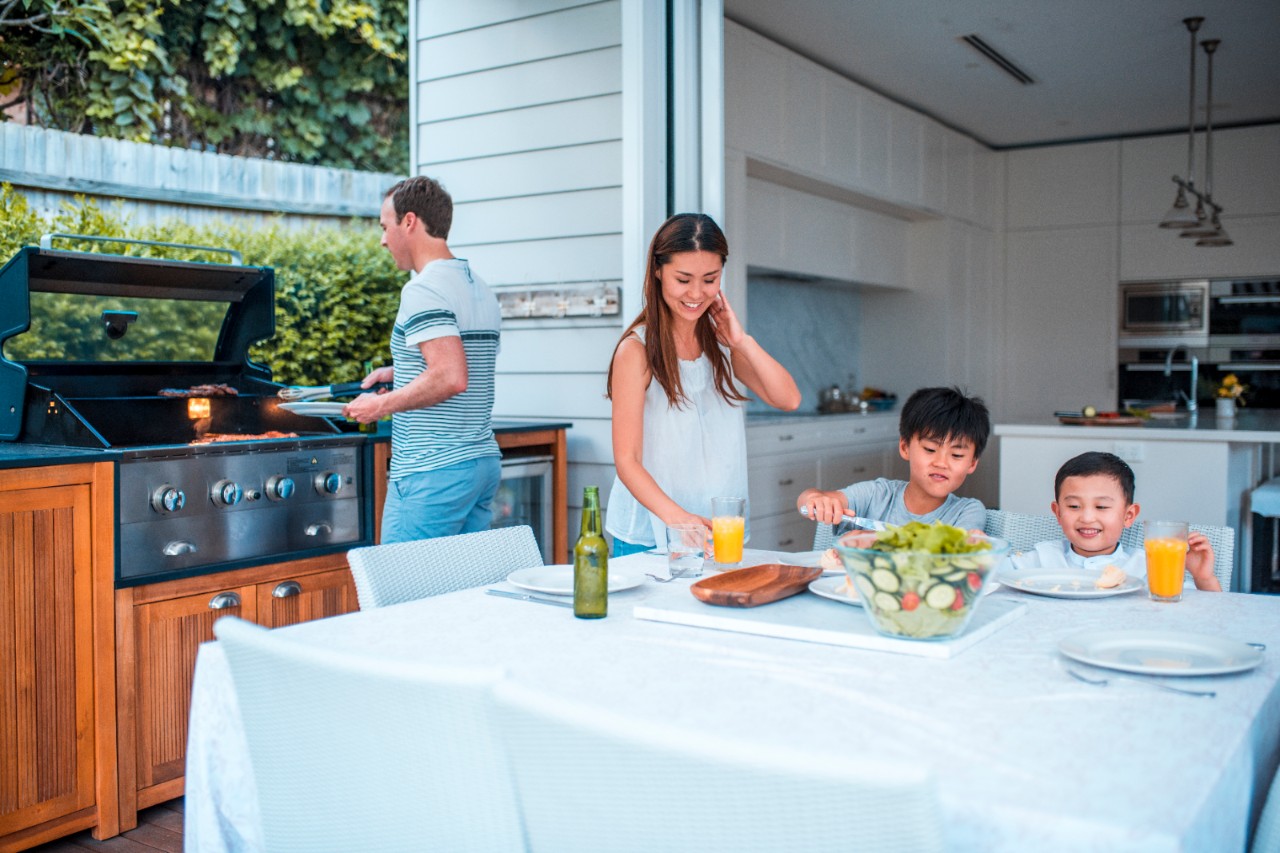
(920, 581)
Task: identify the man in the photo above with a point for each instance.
(444, 459)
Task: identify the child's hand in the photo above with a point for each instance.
(824, 507)
(1200, 562)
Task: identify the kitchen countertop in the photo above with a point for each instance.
(16, 454)
(1247, 427)
(774, 417)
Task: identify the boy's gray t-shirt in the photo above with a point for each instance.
(882, 500)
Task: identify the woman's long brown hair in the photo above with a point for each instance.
(684, 232)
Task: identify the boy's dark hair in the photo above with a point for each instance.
(1096, 463)
(428, 200)
(940, 413)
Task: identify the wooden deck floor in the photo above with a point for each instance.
(159, 828)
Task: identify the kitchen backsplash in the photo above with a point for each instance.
(810, 328)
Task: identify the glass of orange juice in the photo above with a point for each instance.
(1166, 546)
(728, 523)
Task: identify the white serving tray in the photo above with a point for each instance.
(815, 620)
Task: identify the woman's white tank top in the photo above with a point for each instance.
(695, 452)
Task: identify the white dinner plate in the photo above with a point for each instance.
(558, 580)
(315, 410)
(834, 588)
(1067, 583)
(1160, 652)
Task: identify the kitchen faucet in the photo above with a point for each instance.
(1195, 373)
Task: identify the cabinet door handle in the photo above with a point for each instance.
(287, 589)
(177, 549)
(785, 437)
(318, 528)
(785, 543)
(223, 600)
(860, 469)
(787, 482)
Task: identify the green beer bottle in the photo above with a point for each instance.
(591, 561)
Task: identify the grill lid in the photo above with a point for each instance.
(104, 325)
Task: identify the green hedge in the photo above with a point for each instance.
(336, 288)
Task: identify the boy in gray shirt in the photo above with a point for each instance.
(941, 433)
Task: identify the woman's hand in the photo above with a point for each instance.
(728, 330)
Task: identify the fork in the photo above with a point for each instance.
(678, 574)
(1103, 682)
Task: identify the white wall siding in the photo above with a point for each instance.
(519, 114)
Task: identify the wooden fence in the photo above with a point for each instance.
(156, 183)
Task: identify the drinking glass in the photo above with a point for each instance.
(686, 547)
(728, 523)
(1166, 546)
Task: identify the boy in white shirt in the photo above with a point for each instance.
(1094, 504)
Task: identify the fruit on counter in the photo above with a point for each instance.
(1089, 412)
(920, 580)
(869, 393)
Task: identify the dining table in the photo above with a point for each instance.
(1024, 755)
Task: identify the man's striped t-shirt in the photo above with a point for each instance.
(445, 299)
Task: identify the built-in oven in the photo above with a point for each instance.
(1245, 313)
(524, 497)
(1164, 313)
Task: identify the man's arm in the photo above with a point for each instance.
(445, 377)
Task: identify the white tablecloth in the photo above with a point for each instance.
(1026, 758)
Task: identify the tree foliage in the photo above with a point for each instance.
(336, 290)
(323, 83)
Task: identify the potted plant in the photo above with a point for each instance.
(1230, 394)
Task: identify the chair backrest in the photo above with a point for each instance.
(405, 571)
(1023, 531)
(594, 780)
(1266, 838)
(352, 752)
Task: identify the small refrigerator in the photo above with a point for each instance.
(524, 497)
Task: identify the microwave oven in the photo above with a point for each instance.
(1164, 313)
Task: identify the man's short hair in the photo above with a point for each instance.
(1093, 464)
(941, 413)
(427, 200)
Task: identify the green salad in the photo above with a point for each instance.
(921, 580)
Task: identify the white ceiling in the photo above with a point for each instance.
(1102, 68)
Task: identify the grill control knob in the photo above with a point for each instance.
(280, 488)
(226, 493)
(168, 498)
(328, 483)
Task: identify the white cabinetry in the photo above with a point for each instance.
(787, 455)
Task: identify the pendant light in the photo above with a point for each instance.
(1218, 236)
(1180, 214)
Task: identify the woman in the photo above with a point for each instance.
(679, 437)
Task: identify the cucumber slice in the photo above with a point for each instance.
(940, 597)
(885, 580)
(865, 588)
(886, 602)
(956, 577)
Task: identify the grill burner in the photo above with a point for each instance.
(276, 486)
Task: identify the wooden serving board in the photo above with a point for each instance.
(1121, 420)
(756, 585)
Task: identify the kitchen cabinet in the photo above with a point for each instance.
(788, 454)
(159, 630)
(57, 775)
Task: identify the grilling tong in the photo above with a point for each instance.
(298, 394)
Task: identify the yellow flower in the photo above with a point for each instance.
(1231, 387)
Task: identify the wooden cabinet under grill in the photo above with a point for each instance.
(57, 774)
(159, 630)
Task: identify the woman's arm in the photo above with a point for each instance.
(631, 379)
(754, 367)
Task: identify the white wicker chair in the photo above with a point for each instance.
(1266, 838)
(591, 780)
(333, 772)
(1023, 531)
(405, 571)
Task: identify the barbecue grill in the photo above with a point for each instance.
(215, 477)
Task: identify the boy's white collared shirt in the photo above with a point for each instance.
(1057, 554)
